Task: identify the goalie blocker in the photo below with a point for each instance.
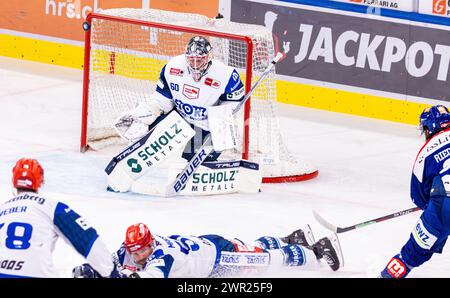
(127, 169)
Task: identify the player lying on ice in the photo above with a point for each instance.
(195, 96)
(143, 254)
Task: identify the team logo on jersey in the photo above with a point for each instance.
(396, 268)
(422, 236)
(176, 72)
(190, 92)
(191, 111)
(213, 83)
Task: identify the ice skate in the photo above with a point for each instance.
(329, 249)
(303, 237)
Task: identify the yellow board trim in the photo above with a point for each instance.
(41, 51)
(287, 92)
(353, 103)
(146, 71)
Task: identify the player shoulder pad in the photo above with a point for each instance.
(434, 146)
(176, 66)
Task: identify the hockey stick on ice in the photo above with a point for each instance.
(201, 154)
(336, 229)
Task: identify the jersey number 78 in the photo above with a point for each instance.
(18, 235)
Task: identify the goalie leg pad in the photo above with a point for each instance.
(119, 180)
(168, 138)
(222, 177)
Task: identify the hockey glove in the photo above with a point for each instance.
(132, 125)
(118, 274)
(85, 271)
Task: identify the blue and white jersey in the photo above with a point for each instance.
(173, 256)
(432, 160)
(176, 88)
(29, 227)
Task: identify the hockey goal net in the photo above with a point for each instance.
(125, 50)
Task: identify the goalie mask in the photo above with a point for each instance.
(198, 56)
(27, 175)
(433, 120)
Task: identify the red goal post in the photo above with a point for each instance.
(124, 52)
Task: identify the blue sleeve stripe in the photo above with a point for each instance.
(121, 254)
(165, 91)
(13, 276)
(81, 239)
(168, 261)
(234, 83)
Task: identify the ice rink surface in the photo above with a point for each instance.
(364, 172)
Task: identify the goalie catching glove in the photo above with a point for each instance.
(132, 125)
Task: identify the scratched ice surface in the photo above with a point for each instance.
(364, 168)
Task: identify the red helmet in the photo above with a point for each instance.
(137, 237)
(28, 174)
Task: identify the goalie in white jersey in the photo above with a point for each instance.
(189, 83)
(143, 254)
(30, 224)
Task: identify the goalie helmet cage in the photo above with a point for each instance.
(125, 50)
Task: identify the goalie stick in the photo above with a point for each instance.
(201, 154)
(336, 229)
